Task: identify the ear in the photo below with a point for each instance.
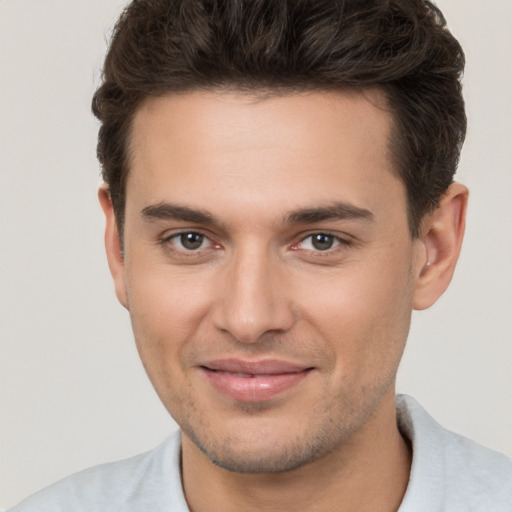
(113, 245)
(441, 238)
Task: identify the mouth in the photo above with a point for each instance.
(249, 381)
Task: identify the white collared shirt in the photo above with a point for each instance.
(449, 473)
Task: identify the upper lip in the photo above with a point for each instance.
(263, 367)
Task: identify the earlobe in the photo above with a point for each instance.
(442, 234)
(113, 245)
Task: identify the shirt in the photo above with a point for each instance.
(449, 473)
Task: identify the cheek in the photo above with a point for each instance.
(166, 311)
(363, 315)
(166, 314)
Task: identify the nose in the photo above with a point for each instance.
(252, 299)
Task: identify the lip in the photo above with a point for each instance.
(253, 381)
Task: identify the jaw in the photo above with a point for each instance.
(374, 463)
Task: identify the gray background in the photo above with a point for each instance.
(72, 390)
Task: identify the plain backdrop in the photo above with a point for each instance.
(72, 390)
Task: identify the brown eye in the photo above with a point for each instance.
(189, 241)
(322, 242)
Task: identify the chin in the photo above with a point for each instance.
(264, 452)
(279, 461)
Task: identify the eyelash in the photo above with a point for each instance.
(168, 245)
(337, 241)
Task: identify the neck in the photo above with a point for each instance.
(368, 473)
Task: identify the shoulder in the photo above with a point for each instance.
(450, 470)
(143, 482)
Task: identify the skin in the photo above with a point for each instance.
(258, 288)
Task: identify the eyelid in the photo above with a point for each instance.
(344, 240)
(178, 237)
(340, 239)
(168, 236)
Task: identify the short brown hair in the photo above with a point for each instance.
(401, 47)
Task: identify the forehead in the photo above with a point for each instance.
(211, 150)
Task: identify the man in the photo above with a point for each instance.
(279, 197)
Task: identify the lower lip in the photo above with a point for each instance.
(255, 388)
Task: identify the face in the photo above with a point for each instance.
(269, 270)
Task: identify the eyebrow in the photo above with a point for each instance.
(169, 211)
(338, 210)
(334, 211)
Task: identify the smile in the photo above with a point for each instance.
(253, 381)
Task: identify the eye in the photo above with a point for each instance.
(189, 241)
(319, 242)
